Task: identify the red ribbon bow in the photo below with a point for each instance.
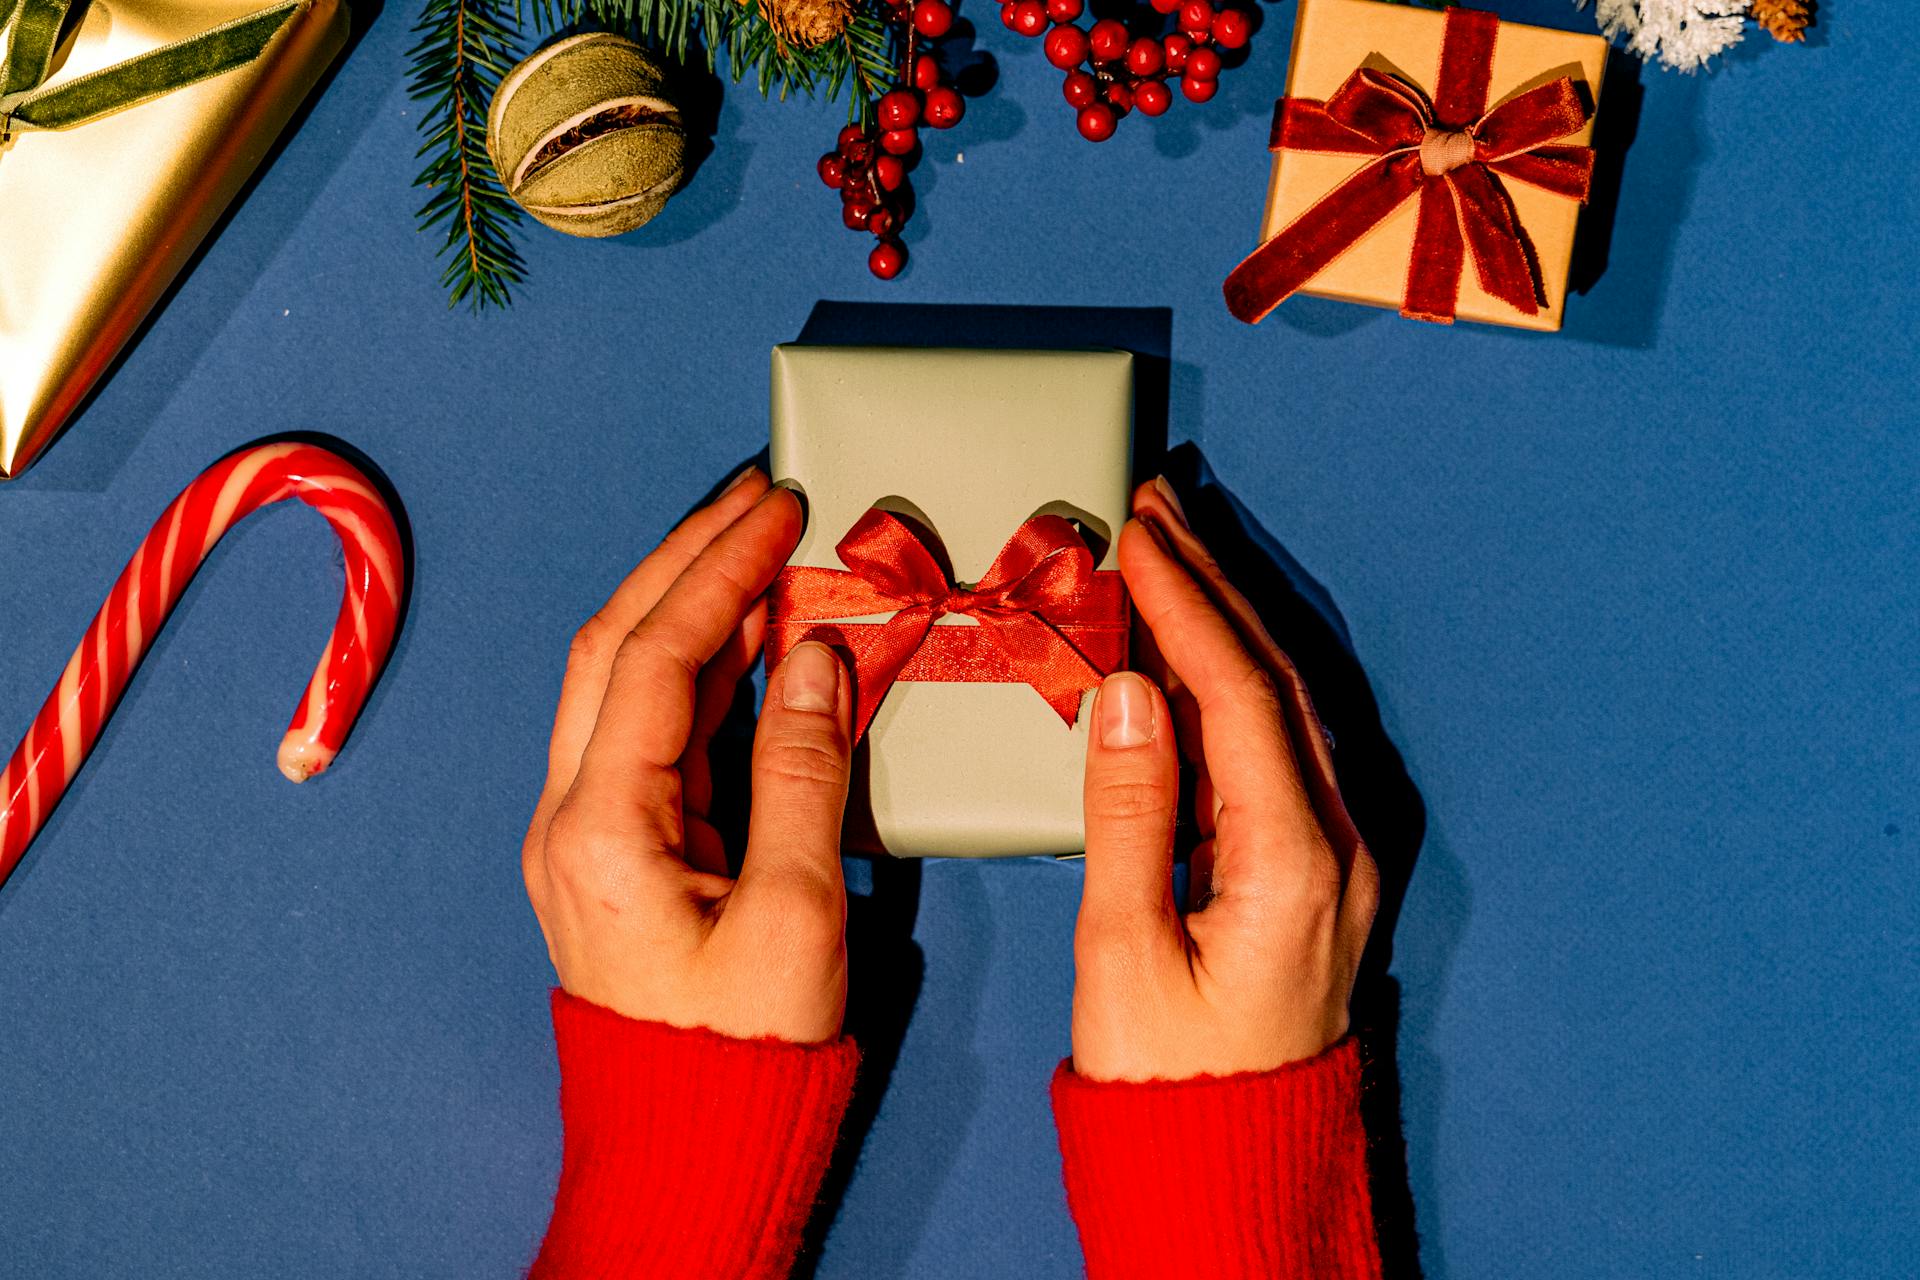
(1046, 617)
(1453, 168)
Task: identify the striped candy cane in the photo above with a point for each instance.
(70, 721)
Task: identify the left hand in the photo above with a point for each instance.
(624, 870)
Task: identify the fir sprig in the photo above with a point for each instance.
(464, 48)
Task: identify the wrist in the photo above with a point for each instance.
(1267, 1170)
(656, 1117)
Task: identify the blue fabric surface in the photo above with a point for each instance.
(1636, 603)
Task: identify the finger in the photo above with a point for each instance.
(802, 760)
(596, 642)
(1145, 657)
(646, 718)
(1132, 794)
(1243, 737)
(1200, 876)
(1156, 503)
(715, 691)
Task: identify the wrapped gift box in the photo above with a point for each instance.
(101, 216)
(966, 446)
(1491, 65)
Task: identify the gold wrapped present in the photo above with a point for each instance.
(129, 125)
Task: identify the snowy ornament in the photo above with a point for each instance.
(1681, 34)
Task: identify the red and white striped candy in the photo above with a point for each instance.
(69, 722)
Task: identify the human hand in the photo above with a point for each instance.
(625, 871)
(1259, 969)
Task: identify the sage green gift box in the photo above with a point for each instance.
(968, 444)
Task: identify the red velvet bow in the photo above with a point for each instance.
(1046, 617)
(1422, 150)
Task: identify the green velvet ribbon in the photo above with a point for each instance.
(36, 28)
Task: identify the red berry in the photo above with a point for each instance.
(1144, 57)
(934, 18)
(1081, 89)
(1120, 98)
(1177, 47)
(1151, 97)
(1029, 17)
(899, 109)
(1064, 10)
(926, 73)
(851, 134)
(833, 169)
(855, 215)
(1066, 47)
(1198, 90)
(945, 106)
(1196, 16)
(1166, 6)
(1010, 16)
(882, 221)
(1096, 122)
(1203, 64)
(889, 172)
(1108, 40)
(898, 142)
(1231, 27)
(887, 259)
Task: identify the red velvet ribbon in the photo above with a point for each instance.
(1427, 149)
(1046, 617)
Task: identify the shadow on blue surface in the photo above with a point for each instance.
(91, 457)
(1384, 805)
(889, 967)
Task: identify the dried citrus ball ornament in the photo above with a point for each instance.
(586, 135)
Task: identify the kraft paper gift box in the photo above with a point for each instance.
(98, 217)
(1528, 93)
(966, 446)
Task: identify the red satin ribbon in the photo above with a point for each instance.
(1046, 617)
(1421, 148)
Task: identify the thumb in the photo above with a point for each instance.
(1132, 792)
(802, 756)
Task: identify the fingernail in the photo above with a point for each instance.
(810, 679)
(740, 479)
(1173, 500)
(1126, 711)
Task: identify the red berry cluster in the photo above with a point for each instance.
(1111, 71)
(869, 167)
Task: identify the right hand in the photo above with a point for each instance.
(625, 872)
(1259, 970)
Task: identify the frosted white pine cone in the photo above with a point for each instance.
(1681, 34)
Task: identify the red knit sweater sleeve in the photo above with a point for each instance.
(1221, 1177)
(688, 1155)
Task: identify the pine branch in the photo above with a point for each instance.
(463, 50)
(466, 46)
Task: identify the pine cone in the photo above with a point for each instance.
(1785, 20)
(808, 23)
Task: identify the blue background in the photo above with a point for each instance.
(1636, 603)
